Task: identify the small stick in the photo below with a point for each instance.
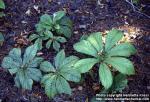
(134, 8)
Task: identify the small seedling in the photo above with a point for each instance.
(55, 82)
(25, 68)
(108, 55)
(53, 29)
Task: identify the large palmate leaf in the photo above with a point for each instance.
(11, 65)
(112, 38)
(55, 81)
(15, 54)
(105, 76)
(22, 80)
(2, 4)
(30, 53)
(119, 83)
(59, 58)
(46, 19)
(47, 67)
(67, 71)
(123, 65)
(58, 15)
(25, 69)
(84, 65)
(65, 30)
(85, 47)
(96, 40)
(124, 49)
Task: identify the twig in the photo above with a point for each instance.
(136, 9)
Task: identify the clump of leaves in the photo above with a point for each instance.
(53, 29)
(2, 6)
(108, 55)
(135, 1)
(25, 68)
(55, 81)
(119, 84)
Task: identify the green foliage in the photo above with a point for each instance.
(119, 83)
(107, 55)
(24, 68)
(55, 81)
(1, 38)
(2, 6)
(135, 1)
(53, 29)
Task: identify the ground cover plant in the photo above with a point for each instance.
(25, 68)
(108, 55)
(53, 28)
(55, 81)
(28, 23)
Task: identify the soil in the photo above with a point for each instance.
(88, 16)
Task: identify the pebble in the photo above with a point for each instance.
(82, 26)
(80, 88)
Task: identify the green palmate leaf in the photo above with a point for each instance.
(105, 76)
(47, 67)
(70, 74)
(96, 40)
(124, 49)
(85, 47)
(69, 61)
(65, 21)
(48, 44)
(62, 86)
(34, 74)
(59, 58)
(35, 62)
(67, 69)
(50, 86)
(30, 53)
(9, 63)
(56, 45)
(58, 15)
(61, 39)
(46, 77)
(23, 80)
(46, 19)
(112, 38)
(39, 43)
(123, 65)
(2, 4)
(66, 31)
(33, 37)
(84, 65)
(83, 37)
(48, 34)
(15, 54)
(120, 82)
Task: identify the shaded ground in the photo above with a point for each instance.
(88, 17)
